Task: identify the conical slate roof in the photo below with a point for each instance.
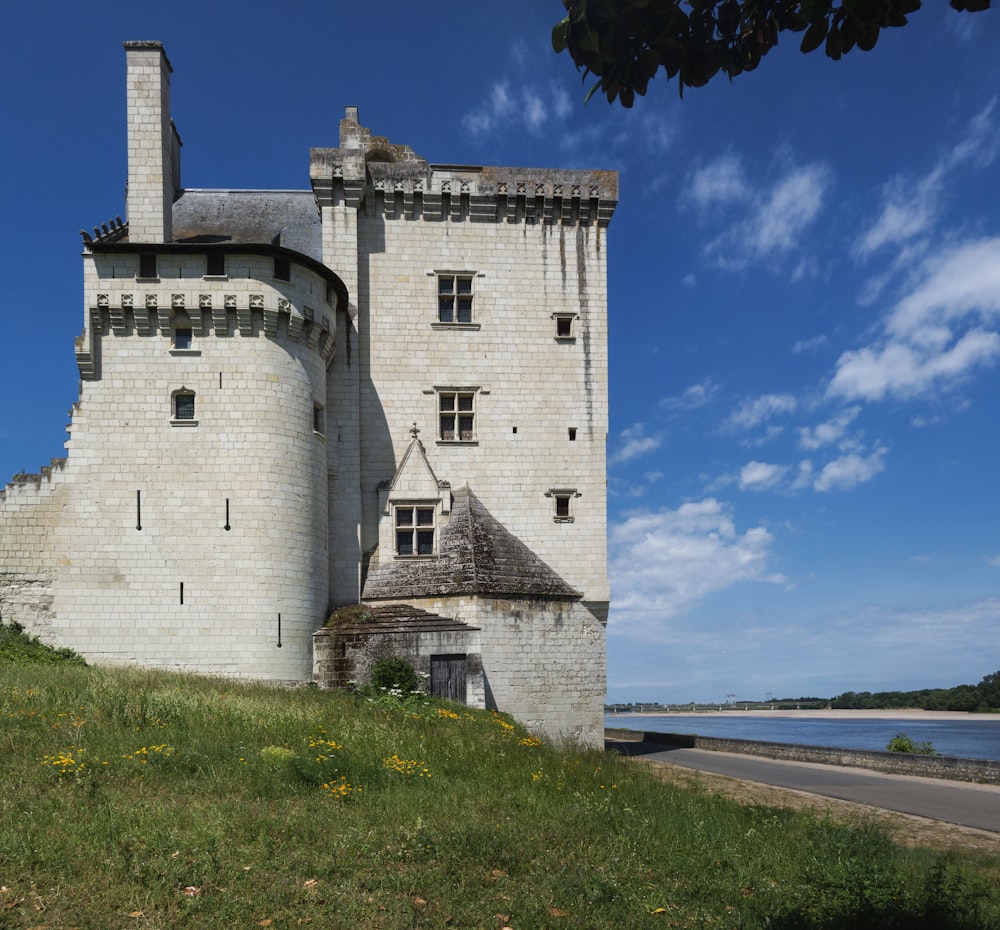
(476, 555)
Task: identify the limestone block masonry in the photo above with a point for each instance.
(257, 368)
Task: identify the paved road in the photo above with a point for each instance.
(952, 801)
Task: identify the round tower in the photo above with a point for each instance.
(194, 531)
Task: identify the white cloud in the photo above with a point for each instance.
(912, 206)
(562, 106)
(959, 282)
(663, 563)
(775, 220)
(758, 409)
(829, 432)
(721, 181)
(759, 476)
(693, 397)
(793, 204)
(906, 371)
(924, 347)
(489, 116)
(635, 442)
(850, 470)
(864, 647)
(772, 432)
(535, 111)
(657, 131)
(510, 107)
(805, 476)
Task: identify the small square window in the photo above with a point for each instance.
(457, 416)
(215, 265)
(282, 269)
(564, 325)
(415, 530)
(182, 338)
(147, 265)
(562, 504)
(572, 434)
(455, 298)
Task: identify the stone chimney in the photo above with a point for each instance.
(154, 162)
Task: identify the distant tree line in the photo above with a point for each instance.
(982, 697)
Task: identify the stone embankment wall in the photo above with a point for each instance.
(893, 763)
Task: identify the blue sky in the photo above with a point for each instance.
(804, 277)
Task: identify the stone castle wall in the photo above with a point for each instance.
(543, 662)
(171, 535)
(540, 398)
(31, 506)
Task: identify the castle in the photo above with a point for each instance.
(390, 388)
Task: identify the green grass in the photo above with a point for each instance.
(19, 648)
(136, 799)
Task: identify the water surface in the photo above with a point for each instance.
(970, 736)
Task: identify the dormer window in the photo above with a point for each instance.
(147, 265)
(414, 525)
(215, 265)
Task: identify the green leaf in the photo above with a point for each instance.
(560, 33)
(591, 92)
(868, 37)
(814, 36)
(833, 45)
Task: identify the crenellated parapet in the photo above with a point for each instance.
(27, 486)
(486, 194)
(392, 180)
(247, 300)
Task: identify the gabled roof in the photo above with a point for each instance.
(415, 477)
(476, 555)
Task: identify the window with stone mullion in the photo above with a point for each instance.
(414, 531)
(457, 409)
(454, 298)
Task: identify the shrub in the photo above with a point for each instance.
(902, 743)
(20, 648)
(350, 614)
(395, 674)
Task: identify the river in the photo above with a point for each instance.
(969, 736)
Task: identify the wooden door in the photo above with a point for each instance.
(448, 677)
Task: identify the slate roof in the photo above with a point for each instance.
(287, 218)
(476, 555)
(401, 618)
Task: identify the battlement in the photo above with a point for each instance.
(246, 300)
(393, 180)
(34, 482)
(497, 195)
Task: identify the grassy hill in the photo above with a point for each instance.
(148, 800)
